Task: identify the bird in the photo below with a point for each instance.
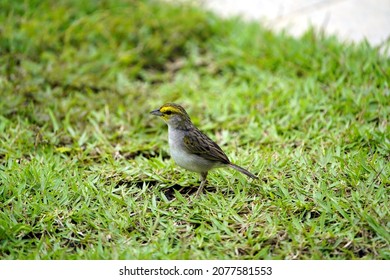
(190, 148)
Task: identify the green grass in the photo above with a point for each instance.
(85, 171)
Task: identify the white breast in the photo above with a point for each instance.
(182, 157)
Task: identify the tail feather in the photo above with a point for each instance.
(242, 170)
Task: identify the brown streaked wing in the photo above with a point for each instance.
(200, 144)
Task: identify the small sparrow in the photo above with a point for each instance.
(190, 148)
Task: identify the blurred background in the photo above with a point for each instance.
(352, 20)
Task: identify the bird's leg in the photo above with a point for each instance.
(203, 176)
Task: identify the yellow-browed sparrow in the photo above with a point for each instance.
(189, 147)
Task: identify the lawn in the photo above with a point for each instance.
(85, 171)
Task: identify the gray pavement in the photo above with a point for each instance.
(350, 20)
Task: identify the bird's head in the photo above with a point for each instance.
(172, 114)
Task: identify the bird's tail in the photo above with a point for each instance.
(242, 170)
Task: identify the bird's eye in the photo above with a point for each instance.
(168, 112)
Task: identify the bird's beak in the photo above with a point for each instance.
(156, 113)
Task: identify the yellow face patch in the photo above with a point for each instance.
(168, 111)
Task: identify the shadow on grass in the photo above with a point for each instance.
(169, 191)
(185, 190)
